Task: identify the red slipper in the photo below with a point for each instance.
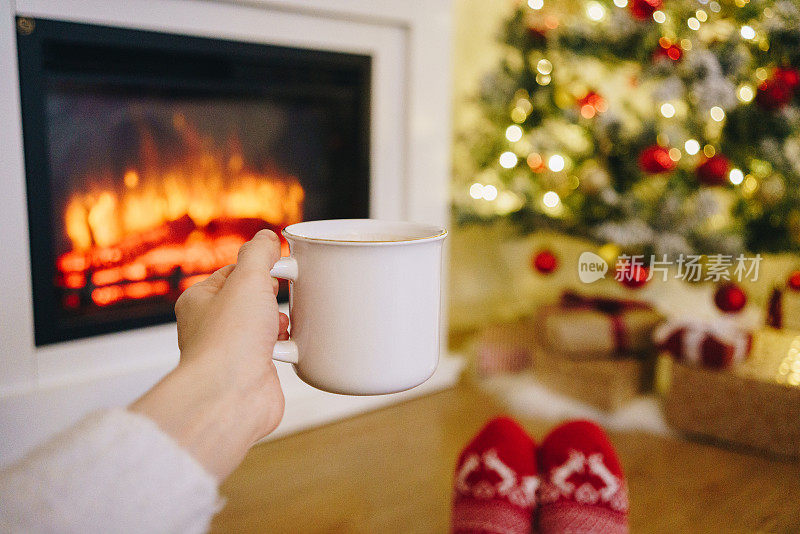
(583, 489)
(495, 481)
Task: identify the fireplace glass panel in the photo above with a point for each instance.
(146, 173)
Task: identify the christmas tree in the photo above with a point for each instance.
(662, 126)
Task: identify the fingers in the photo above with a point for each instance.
(217, 279)
(200, 292)
(260, 253)
(283, 327)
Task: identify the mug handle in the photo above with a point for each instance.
(285, 351)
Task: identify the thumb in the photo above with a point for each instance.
(258, 255)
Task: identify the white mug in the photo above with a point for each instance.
(364, 304)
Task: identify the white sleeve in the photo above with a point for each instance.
(115, 471)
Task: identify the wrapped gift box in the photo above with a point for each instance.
(504, 348)
(583, 327)
(755, 404)
(607, 384)
(717, 344)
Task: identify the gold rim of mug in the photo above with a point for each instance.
(286, 233)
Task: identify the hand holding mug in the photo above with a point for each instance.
(365, 320)
(224, 395)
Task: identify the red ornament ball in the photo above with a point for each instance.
(793, 282)
(632, 275)
(730, 298)
(773, 94)
(714, 170)
(544, 261)
(779, 90)
(655, 160)
(789, 76)
(644, 9)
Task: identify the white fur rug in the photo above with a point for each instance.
(523, 395)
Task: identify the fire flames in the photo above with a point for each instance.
(161, 230)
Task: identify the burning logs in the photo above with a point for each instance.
(156, 262)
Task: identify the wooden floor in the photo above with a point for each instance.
(390, 471)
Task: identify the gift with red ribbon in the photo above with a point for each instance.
(714, 344)
(589, 327)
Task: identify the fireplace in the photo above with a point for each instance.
(376, 99)
(151, 157)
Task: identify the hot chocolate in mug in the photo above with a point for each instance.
(364, 304)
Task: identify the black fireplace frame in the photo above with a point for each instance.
(165, 64)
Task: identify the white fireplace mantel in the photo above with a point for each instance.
(43, 389)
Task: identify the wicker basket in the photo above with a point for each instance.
(755, 405)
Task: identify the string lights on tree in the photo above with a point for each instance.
(664, 126)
